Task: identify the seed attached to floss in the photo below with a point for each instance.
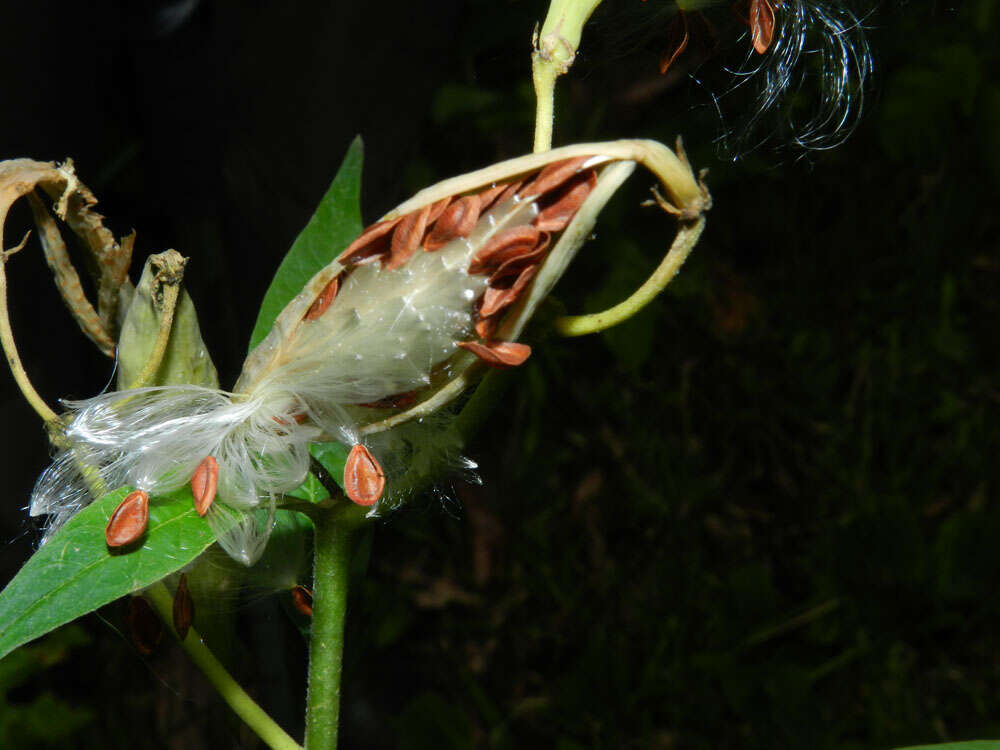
(371, 245)
(679, 37)
(512, 243)
(486, 327)
(497, 298)
(407, 238)
(324, 300)
(457, 221)
(761, 25)
(498, 353)
(556, 215)
(204, 483)
(513, 266)
(129, 520)
(488, 196)
(146, 628)
(553, 176)
(364, 480)
(302, 598)
(183, 610)
(437, 209)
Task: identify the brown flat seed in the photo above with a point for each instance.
(364, 480)
(761, 25)
(183, 608)
(437, 209)
(498, 353)
(510, 192)
(489, 195)
(499, 249)
(555, 216)
(513, 266)
(486, 328)
(204, 483)
(324, 300)
(129, 520)
(458, 221)
(407, 238)
(146, 628)
(554, 176)
(370, 245)
(678, 35)
(302, 598)
(496, 299)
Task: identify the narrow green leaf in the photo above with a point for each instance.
(74, 573)
(335, 223)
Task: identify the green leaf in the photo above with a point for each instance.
(335, 223)
(310, 490)
(972, 745)
(74, 572)
(332, 457)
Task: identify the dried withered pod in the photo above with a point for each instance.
(380, 340)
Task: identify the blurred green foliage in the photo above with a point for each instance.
(43, 719)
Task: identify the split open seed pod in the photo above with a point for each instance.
(425, 295)
(375, 346)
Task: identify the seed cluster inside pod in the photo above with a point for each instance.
(413, 290)
(478, 226)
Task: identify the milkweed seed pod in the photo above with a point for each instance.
(377, 343)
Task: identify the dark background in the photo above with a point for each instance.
(763, 513)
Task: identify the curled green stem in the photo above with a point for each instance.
(242, 704)
(580, 325)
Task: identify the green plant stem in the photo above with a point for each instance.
(555, 49)
(332, 542)
(579, 325)
(242, 704)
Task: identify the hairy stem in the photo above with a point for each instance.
(332, 544)
(555, 49)
(50, 418)
(579, 325)
(242, 704)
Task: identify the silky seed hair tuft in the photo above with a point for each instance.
(820, 53)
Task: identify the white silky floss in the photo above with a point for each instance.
(384, 334)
